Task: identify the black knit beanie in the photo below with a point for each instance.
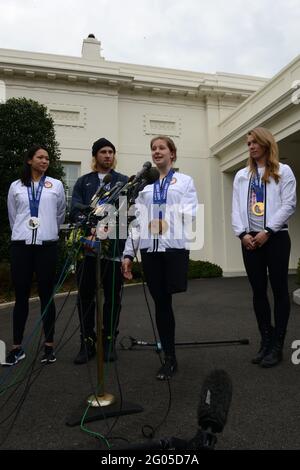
(100, 143)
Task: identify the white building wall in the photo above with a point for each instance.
(207, 115)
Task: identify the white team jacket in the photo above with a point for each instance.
(181, 208)
(280, 200)
(51, 211)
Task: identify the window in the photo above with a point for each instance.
(72, 171)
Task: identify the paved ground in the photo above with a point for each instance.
(265, 409)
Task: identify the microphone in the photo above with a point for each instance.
(140, 174)
(215, 399)
(88, 208)
(149, 178)
(109, 197)
(98, 194)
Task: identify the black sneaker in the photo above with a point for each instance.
(87, 351)
(168, 369)
(48, 356)
(14, 356)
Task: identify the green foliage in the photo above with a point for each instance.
(6, 289)
(298, 272)
(197, 269)
(23, 122)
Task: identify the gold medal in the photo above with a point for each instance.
(258, 208)
(158, 226)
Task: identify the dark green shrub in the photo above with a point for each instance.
(6, 289)
(197, 269)
(23, 122)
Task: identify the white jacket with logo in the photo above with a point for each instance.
(181, 208)
(51, 211)
(280, 200)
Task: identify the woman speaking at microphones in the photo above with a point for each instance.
(159, 234)
(36, 208)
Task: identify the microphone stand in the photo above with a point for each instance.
(100, 398)
(101, 405)
(129, 343)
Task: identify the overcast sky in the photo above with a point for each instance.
(255, 37)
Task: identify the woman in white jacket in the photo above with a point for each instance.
(165, 210)
(36, 208)
(264, 198)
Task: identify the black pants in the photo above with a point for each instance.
(112, 282)
(26, 260)
(166, 274)
(272, 257)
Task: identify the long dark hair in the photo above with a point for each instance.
(26, 172)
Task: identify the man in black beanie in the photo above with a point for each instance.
(103, 162)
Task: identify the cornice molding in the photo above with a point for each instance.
(276, 107)
(201, 88)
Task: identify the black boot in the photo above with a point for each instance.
(275, 355)
(265, 345)
(87, 350)
(168, 368)
(109, 349)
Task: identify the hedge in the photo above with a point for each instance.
(197, 269)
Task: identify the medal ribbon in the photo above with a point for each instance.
(258, 187)
(34, 199)
(160, 192)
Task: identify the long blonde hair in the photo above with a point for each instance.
(94, 163)
(264, 138)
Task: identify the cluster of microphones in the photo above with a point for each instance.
(110, 195)
(213, 408)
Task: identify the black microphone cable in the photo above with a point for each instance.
(148, 430)
(212, 413)
(104, 438)
(28, 378)
(37, 372)
(69, 261)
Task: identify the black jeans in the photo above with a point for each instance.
(112, 282)
(165, 273)
(26, 260)
(272, 258)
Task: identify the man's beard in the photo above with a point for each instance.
(105, 165)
